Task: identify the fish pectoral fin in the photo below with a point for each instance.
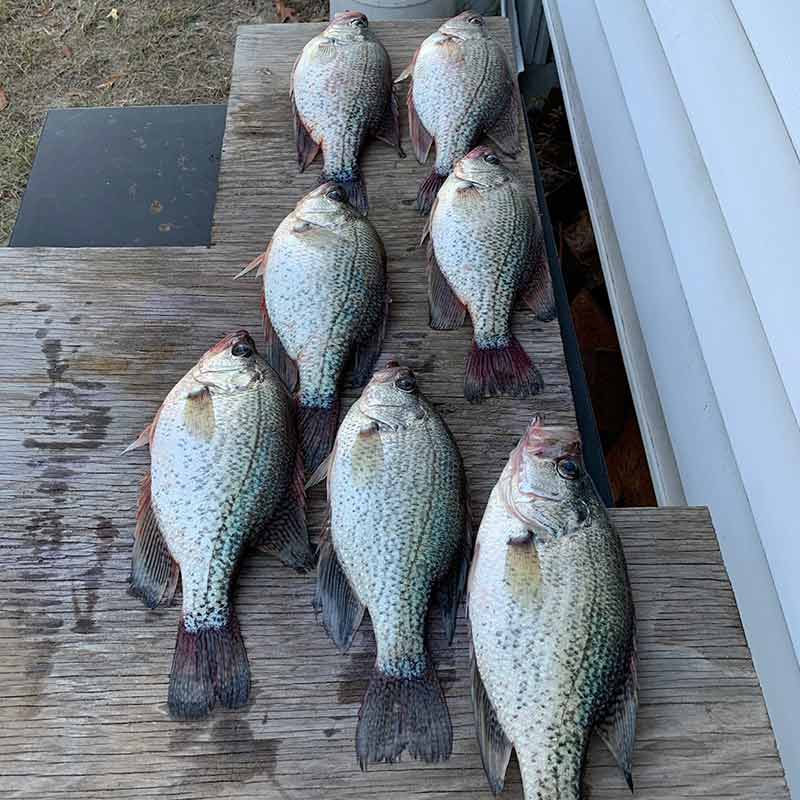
(447, 312)
(154, 573)
(505, 131)
(285, 535)
(198, 414)
(618, 729)
(141, 440)
(494, 744)
(259, 262)
(307, 147)
(324, 51)
(334, 598)
(537, 294)
(368, 350)
(421, 138)
(275, 352)
(389, 129)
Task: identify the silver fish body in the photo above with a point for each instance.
(325, 300)
(342, 94)
(487, 250)
(461, 88)
(397, 532)
(552, 622)
(223, 475)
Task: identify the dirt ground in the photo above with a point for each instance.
(57, 53)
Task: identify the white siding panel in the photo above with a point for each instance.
(722, 394)
(750, 158)
(774, 33)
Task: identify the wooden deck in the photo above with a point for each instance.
(90, 342)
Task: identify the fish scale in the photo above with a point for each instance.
(342, 93)
(209, 496)
(394, 549)
(478, 91)
(324, 291)
(482, 242)
(552, 625)
(398, 533)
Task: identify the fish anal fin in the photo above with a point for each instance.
(275, 352)
(154, 573)
(505, 131)
(366, 352)
(447, 312)
(285, 535)
(421, 139)
(538, 293)
(389, 129)
(334, 598)
(198, 414)
(494, 744)
(452, 587)
(618, 729)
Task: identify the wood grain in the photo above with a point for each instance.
(91, 340)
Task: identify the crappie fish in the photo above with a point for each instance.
(325, 300)
(461, 88)
(398, 532)
(486, 249)
(342, 94)
(552, 620)
(224, 473)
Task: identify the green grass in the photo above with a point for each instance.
(57, 53)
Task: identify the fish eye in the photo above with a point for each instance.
(241, 350)
(337, 195)
(359, 22)
(476, 20)
(406, 383)
(491, 158)
(569, 469)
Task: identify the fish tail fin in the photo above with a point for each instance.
(209, 665)
(400, 714)
(428, 190)
(355, 188)
(506, 369)
(316, 427)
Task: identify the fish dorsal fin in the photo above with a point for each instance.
(446, 310)
(286, 535)
(538, 293)
(154, 573)
(388, 130)
(453, 585)
(492, 740)
(505, 131)
(368, 350)
(618, 729)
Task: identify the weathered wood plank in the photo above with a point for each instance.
(91, 340)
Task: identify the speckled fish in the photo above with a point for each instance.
(461, 88)
(342, 94)
(485, 250)
(552, 620)
(325, 302)
(224, 473)
(398, 532)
